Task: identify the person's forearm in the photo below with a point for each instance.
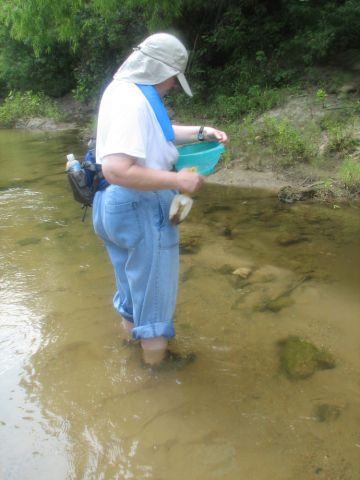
(122, 171)
(186, 134)
(190, 134)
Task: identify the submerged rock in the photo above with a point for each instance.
(300, 359)
(188, 274)
(227, 232)
(243, 272)
(288, 239)
(282, 300)
(326, 412)
(290, 194)
(190, 245)
(29, 241)
(273, 305)
(225, 269)
(217, 208)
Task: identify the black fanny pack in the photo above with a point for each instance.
(85, 179)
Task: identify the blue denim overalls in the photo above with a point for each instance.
(144, 249)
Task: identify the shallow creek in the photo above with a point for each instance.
(77, 404)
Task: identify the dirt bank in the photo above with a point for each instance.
(235, 173)
(261, 155)
(239, 175)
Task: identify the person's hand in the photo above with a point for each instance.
(189, 181)
(211, 133)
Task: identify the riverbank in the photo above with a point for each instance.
(306, 148)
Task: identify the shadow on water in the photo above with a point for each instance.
(268, 301)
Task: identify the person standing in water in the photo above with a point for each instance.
(135, 144)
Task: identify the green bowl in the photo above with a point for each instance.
(203, 156)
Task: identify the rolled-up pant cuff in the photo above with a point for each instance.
(159, 329)
(125, 315)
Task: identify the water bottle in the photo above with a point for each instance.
(72, 164)
(91, 143)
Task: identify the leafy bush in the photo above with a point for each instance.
(25, 105)
(234, 45)
(286, 141)
(257, 100)
(50, 72)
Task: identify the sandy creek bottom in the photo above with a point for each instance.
(77, 404)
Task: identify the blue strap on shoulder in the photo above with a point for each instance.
(153, 97)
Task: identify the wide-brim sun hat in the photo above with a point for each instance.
(157, 58)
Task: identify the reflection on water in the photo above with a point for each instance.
(76, 402)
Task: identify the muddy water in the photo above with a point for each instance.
(76, 403)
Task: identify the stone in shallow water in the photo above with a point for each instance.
(217, 208)
(227, 232)
(50, 225)
(243, 272)
(29, 241)
(285, 240)
(188, 274)
(289, 194)
(190, 245)
(326, 412)
(300, 359)
(274, 305)
(225, 269)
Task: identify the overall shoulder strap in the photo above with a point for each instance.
(153, 97)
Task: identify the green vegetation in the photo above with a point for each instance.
(287, 142)
(239, 48)
(341, 138)
(26, 105)
(256, 99)
(247, 57)
(349, 174)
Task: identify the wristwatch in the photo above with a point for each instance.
(201, 135)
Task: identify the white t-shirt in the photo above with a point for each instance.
(127, 124)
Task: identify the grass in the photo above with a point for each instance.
(276, 141)
(231, 108)
(341, 138)
(235, 115)
(228, 108)
(261, 141)
(349, 174)
(25, 105)
(321, 145)
(288, 143)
